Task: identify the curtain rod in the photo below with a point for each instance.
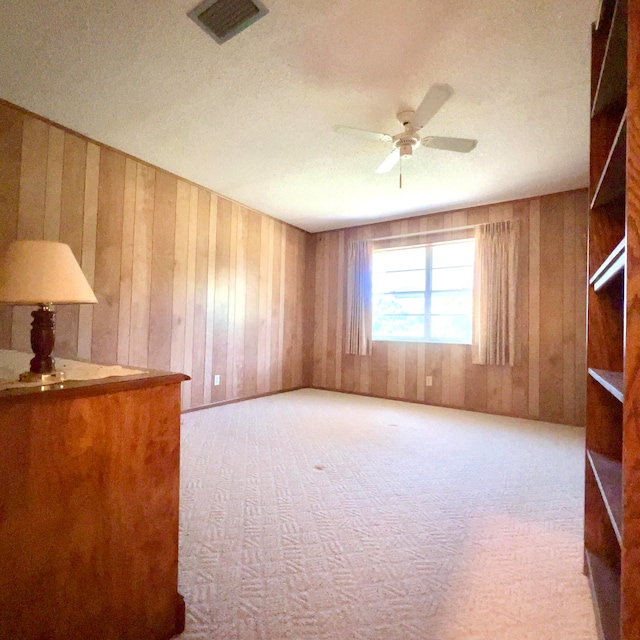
(426, 233)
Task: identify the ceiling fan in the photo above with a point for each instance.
(407, 141)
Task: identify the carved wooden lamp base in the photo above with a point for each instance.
(43, 364)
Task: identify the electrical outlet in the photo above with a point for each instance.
(429, 381)
(216, 381)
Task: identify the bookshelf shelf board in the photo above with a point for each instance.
(612, 381)
(611, 88)
(612, 180)
(608, 475)
(611, 267)
(605, 590)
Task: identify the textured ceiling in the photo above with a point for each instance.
(251, 119)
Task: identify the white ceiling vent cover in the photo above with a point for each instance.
(223, 19)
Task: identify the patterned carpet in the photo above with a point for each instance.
(317, 515)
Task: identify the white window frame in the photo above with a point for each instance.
(427, 338)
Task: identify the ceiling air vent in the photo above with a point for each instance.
(223, 19)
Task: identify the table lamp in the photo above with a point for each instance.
(42, 273)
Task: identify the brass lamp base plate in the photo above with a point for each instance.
(42, 378)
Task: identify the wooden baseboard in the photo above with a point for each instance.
(366, 395)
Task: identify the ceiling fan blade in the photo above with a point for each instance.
(389, 162)
(362, 133)
(437, 95)
(461, 145)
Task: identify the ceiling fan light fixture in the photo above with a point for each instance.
(404, 143)
(406, 151)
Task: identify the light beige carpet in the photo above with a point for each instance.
(317, 515)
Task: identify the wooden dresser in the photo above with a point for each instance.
(89, 491)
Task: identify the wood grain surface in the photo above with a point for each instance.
(190, 281)
(547, 383)
(631, 437)
(89, 512)
(186, 280)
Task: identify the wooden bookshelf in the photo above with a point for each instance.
(612, 473)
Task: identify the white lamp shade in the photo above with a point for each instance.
(36, 272)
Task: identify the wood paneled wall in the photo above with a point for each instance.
(547, 383)
(186, 280)
(191, 282)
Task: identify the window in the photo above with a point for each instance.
(424, 293)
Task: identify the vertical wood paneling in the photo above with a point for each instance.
(221, 308)
(534, 309)
(269, 294)
(548, 378)
(186, 280)
(189, 281)
(274, 330)
(104, 343)
(211, 299)
(262, 346)
(569, 336)
(200, 300)
(126, 259)
(551, 309)
(190, 294)
(240, 298)
(340, 315)
(309, 309)
(520, 378)
(580, 240)
(252, 303)
(33, 179)
(162, 262)
(281, 309)
(88, 264)
(179, 303)
(71, 217)
(141, 274)
(231, 385)
(11, 122)
(53, 195)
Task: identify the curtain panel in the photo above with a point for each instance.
(359, 298)
(496, 274)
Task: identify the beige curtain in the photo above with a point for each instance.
(359, 298)
(494, 335)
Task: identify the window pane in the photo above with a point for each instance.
(404, 303)
(399, 259)
(400, 300)
(454, 328)
(403, 281)
(451, 302)
(389, 326)
(452, 278)
(453, 254)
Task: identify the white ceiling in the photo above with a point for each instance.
(251, 119)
